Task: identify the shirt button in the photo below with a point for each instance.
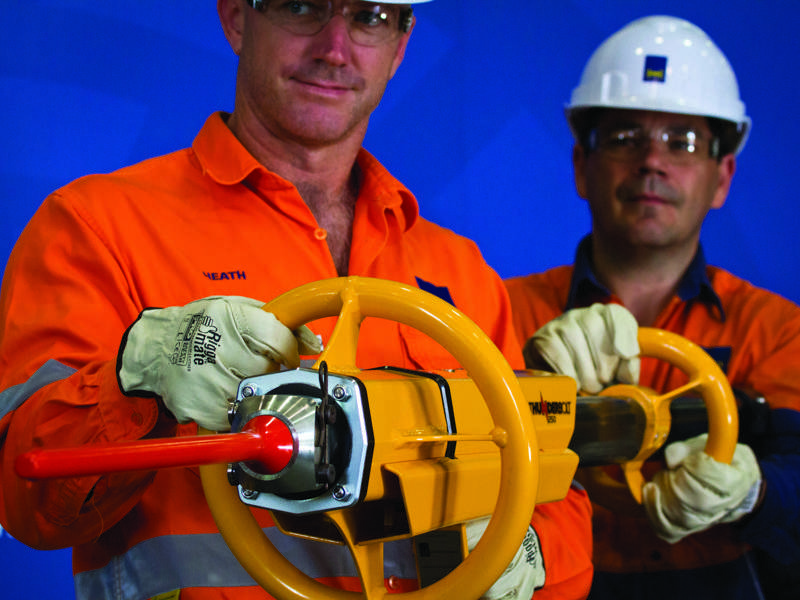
(320, 233)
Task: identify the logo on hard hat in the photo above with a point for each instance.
(655, 68)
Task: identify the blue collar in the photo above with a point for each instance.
(585, 289)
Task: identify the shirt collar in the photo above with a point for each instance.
(585, 288)
(221, 155)
(385, 193)
(223, 158)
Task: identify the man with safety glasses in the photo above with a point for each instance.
(276, 194)
(658, 123)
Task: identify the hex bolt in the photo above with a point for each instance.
(340, 493)
(340, 393)
(250, 494)
(248, 391)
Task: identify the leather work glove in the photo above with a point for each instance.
(596, 346)
(524, 574)
(695, 491)
(194, 356)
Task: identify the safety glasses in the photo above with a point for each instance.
(681, 146)
(368, 23)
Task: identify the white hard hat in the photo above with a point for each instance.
(663, 64)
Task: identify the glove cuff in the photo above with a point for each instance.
(749, 504)
(141, 352)
(534, 558)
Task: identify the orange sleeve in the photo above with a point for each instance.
(75, 322)
(504, 335)
(565, 533)
(537, 299)
(564, 527)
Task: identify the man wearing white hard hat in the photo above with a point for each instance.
(155, 276)
(658, 123)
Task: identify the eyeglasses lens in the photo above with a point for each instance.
(369, 23)
(681, 145)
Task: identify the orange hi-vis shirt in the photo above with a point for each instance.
(207, 220)
(755, 335)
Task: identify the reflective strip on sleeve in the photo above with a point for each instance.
(13, 397)
(173, 562)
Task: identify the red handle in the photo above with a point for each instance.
(265, 440)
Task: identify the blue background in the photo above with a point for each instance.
(472, 123)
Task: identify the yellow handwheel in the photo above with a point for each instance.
(704, 377)
(353, 299)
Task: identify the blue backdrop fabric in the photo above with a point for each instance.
(472, 123)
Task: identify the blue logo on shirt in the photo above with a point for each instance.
(721, 356)
(438, 291)
(655, 68)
